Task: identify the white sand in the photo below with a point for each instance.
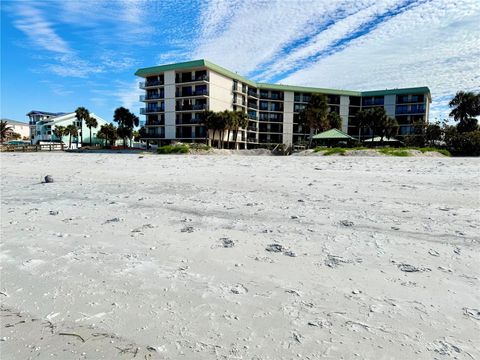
(137, 261)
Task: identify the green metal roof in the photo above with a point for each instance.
(306, 89)
(202, 63)
(332, 134)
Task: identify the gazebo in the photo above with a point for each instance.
(333, 136)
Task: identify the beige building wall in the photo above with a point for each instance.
(220, 92)
(169, 81)
(288, 100)
(23, 130)
(344, 109)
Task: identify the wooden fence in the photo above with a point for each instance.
(31, 148)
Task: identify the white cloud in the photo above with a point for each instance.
(39, 31)
(358, 45)
(437, 45)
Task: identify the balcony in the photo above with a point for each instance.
(192, 79)
(252, 105)
(151, 83)
(239, 102)
(252, 93)
(252, 128)
(151, 97)
(151, 109)
(252, 116)
(193, 93)
(196, 107)
(154, 136)
(155, 123)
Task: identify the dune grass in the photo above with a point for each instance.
(335, 151)
(173, 149)
(394, 152)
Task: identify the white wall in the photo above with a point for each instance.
(288, 101)
(169, 78)
(220, 92)
(344, 108)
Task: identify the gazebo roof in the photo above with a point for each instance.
(332, 134)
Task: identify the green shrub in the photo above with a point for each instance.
(173, 149)
(335, 151)
(432, 149)
(394, 152)
(200, 147)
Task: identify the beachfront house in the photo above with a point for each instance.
(177, 94)
(18, 127)
(42, 126)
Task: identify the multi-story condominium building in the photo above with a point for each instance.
(42, 126)
(177, 94)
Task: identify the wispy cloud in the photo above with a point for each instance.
(351, 45)
(38, 29)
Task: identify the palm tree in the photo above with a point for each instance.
(230, 123)
(334, 120)
(315, 115)
(126, 122)
(390, 128)
(101, 134)
(208, 120)
(240, 123)
(60, 132)
(71, 130)
(465, 107)
(362, 120)
(81, 114)
(4, 129)
(91, 122)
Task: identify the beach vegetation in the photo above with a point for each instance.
(82, 114)
(5, 129)
(71, 131)
(91, 122)
(315, 115)
(126, 121)
(173, 149)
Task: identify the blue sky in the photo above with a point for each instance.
(58, 55)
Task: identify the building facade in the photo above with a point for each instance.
(43, 124)
(177, 94)
(18, 127)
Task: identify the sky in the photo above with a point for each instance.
(59, 55)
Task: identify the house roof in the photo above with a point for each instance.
(15, 122)
(332, 134)
(36, 112)
(202, 63)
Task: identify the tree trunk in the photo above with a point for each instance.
(235, 137)
(90, 136)
(70, 142)
(311, 138)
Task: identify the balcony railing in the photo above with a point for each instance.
(144, 84)
(192, 79)
(252, 116)
(252, 93)
(252, 128)
(252, 105)
(190, 107)
(155, 123)
(151, 109)
(193, 93)
(154, 136)
(151, 97)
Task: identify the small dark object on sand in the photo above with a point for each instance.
(346, 223)
(289, 253)
(48, 179)
(275, 248)
(227, 243)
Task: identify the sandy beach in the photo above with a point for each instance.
(233, 257)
